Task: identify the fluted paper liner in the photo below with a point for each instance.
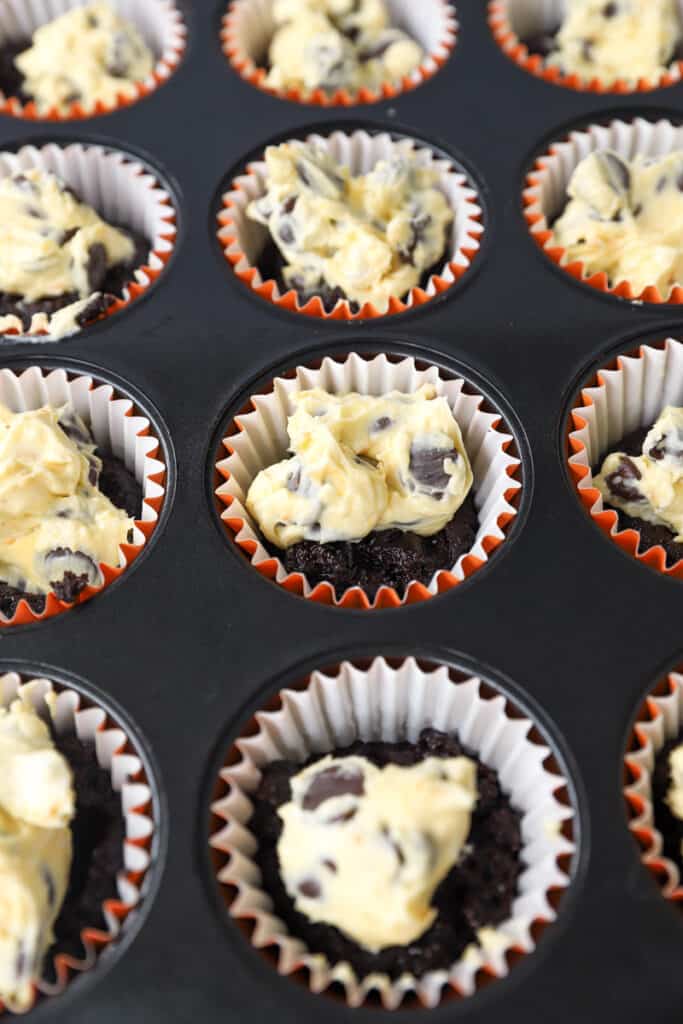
(122, 191)
(116, 426)
(116, 753)
(248, 27)
(626, 395)
(159, 22)
(660, 720)
(512, 21)
(394, 704)
(259, 438)
(546, 193)
(243, 240)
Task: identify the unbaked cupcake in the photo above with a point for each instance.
(380, 832)
(627, 453)
(63, 59)
(73, 796)
(598, 45)
(368, 482)
(350, 226)
(337, 51)
(606, 205)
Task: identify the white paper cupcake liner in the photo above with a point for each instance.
(122, 191)
(116, 754)
(248, 27)
(512, 21)
(243, 240)
(660, 720)
(261, 439)
(546, 193)
(159, 22)
(393, 704)
(116, 426)
(627, 395)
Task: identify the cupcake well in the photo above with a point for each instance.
(122, 190)
(545, 195)
(512, 20)
(395, 702)
(159, 22)
(628, 393)
(248, 27)
(243, 240)
(117, 755)
(258, 438)
(659, 720)
(116, 425)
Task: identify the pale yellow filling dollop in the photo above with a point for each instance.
(369, 859)
(89, 54)
(362, 463)
(373, 236)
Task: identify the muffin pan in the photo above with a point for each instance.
(193, 642)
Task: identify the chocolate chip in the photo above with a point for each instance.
(333, 782)
(378, 48)
(33, 211)
(96, 268)
(66, 236)
(294, 480)
(92, 21)
(303, 174)
(637, 210)
(25, 184)
(427, 466)
(618, 482)
(610, 9)
(73, 429)
(669, 445)
(331, 866)
(342, 818)
(286, 232)
(118, 63)
(92, 476)
(310, 888)
(617, 172)
(289, 204)
(71, 572)
(383, 423)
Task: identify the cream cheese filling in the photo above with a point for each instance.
(373, 236)
(53, 517)
(650, 486)
(365, 848)
(626, 219)
(338, 44)
(89, 54)
(37, 803)
(613, 39)
(362, 463)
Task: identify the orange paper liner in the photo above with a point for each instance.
(163, 69)
(355, 597)
(606, 518)
(236, 257)
(247, 69)
(535, 64)
(648, 730)
(94, 940)
(53, 605)
(543, 236)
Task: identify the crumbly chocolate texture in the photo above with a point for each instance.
(651, 535)
(391, 558)
(670, 827)
(109, 283)
(479, 891)
(11, 79)
(98, 831)
(123, 490)
(271, 263)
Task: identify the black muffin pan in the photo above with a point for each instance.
(194, 640)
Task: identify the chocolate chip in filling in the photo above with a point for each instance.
(478, 892)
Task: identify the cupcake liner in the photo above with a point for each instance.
(243, 240)
(122, 191)
(628, 394)
(392, 704)
(546, 193)
(116, 752)
(159, 22)
(248, 28)
(659, 720)
(116, 425)
(514, 20)
(259, 438)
